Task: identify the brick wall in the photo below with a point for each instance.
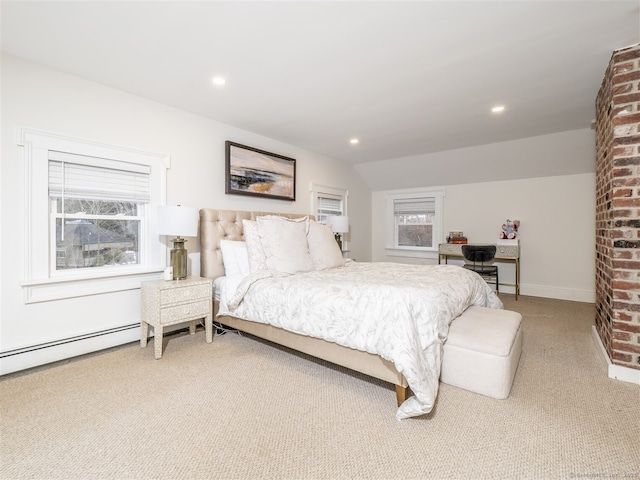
(618, 208)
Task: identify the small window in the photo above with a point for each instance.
(414, 221)
(328, 201)
(413, 218)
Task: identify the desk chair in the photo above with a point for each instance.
(479, 256)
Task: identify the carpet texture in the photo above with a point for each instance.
(242, 408)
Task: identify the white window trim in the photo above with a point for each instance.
(39, 283)
(438, 225)
(317, 189)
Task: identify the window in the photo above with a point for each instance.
(328, 201)
(97, 211)
(414, 221)
(100, 204)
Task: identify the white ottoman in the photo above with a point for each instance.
(482, 351)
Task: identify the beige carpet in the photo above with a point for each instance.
(240, 408)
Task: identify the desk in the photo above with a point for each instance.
(510, 253)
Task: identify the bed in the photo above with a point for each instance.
(325, 290)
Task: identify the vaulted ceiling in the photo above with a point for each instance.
(404, 78)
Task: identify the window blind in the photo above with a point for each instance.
(414, 206)
(77, 176)
(328, 204)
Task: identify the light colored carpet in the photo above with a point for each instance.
(241, 408)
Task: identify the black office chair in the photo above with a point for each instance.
(479, 256)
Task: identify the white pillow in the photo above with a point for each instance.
(234, 257)
(323, 247)
(285, 244)
(255, 252)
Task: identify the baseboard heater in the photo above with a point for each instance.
(65, 348)
(77, 338)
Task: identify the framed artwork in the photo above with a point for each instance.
(250, 171)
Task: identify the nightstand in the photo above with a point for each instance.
(167, 302)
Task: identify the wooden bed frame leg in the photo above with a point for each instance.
(402, 393)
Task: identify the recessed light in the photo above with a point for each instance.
(219, 81)
(354, 141)
(498, 109)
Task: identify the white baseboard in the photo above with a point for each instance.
(558, 293)
(624, 374)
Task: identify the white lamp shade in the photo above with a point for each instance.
(178, 221)
(339, 223)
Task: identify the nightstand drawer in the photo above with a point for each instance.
(184, 294)
(194, 309)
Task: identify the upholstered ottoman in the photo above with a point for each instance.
(482, 351)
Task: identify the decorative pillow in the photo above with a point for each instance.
(234, 257)
(255, 252)
(323, 247)
(285, 244)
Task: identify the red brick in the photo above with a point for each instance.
(622, 68)
(626, 202)
(621, 357)
(626, 182)
(627, 161)
(622, 336)
(626, 119)
(629, 76)
(621, 110)
(622, 192)
(628, 140)
(626, 347)
(627, 327)
(626, 265)
(622, 295)
(626, 54)
(628, 307)
(626, 98)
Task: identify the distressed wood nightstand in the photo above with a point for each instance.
(167, 302)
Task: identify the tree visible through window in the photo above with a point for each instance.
(97, 211)
(95, 234)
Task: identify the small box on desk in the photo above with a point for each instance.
(458, 240)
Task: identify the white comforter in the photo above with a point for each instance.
(398, 311)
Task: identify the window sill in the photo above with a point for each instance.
(402, 252)
(48, 289)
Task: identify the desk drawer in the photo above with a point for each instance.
(450, 249)
(188, 310)
(507, 251)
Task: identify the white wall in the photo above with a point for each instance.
(562, 153)
(37, 97)
(557, 232)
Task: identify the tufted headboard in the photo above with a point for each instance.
(216, 225)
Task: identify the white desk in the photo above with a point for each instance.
(509, 253)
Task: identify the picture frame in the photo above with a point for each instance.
(255, 172)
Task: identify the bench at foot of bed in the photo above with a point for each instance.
(482, 351)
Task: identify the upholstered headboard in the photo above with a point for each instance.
(216, 225)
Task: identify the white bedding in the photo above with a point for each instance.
(401, 312)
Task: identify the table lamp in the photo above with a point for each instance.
(340, 225)
(178, 221)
